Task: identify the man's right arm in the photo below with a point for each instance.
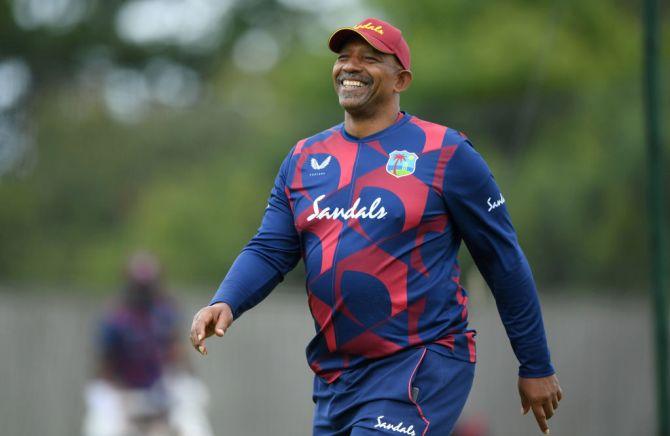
(262, 264)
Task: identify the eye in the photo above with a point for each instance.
(371, 59)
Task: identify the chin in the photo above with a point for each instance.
(353, 106)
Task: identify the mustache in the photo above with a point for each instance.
(346, 76)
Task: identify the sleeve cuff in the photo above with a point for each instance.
(536, 373)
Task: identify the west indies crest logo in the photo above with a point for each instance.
(401, 163)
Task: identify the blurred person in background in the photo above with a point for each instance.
(144, 384)
(474, 425)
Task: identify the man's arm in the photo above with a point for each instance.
(478, 210)
(262, 264)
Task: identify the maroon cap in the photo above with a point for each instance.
(379, 34)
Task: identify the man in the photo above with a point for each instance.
(377, 207)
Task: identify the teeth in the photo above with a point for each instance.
(352, 83)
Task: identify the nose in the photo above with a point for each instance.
(352, 65)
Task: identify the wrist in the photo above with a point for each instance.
(222, 304)
(546, 371)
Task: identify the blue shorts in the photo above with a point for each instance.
(420, 391)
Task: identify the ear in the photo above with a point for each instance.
(403, 80)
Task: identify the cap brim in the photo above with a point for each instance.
(340, 36)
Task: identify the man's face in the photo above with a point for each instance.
(365, 78)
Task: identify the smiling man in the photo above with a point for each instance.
(377, 208)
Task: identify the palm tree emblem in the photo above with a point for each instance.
(398, 158)
(401, 163)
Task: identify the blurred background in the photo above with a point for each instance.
(160, 125)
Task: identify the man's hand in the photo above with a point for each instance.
(214, 319)
(542, 395)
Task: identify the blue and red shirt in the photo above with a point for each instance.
(378, 222)
(135, 343)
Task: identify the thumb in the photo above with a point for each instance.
(222, 323)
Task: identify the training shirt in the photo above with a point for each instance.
(135, 343)
(378, 222)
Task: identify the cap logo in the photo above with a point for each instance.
(370, 26)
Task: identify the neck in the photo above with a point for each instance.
(362, 125)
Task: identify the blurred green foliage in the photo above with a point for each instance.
(549, 92)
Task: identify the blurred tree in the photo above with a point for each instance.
(168, 134)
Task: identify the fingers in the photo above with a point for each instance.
(543, 411)
(210, 320)
(542, 395)
(198, 328)
(556, 397)
(222, 324)
(540, 417)
(548, 409)
(525, 404)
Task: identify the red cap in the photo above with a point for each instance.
(379, 34)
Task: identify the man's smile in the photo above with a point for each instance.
(351, 84)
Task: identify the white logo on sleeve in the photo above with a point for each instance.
(496, 203)
(398, 428)
(319, 166)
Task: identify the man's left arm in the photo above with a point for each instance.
(478, 210)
